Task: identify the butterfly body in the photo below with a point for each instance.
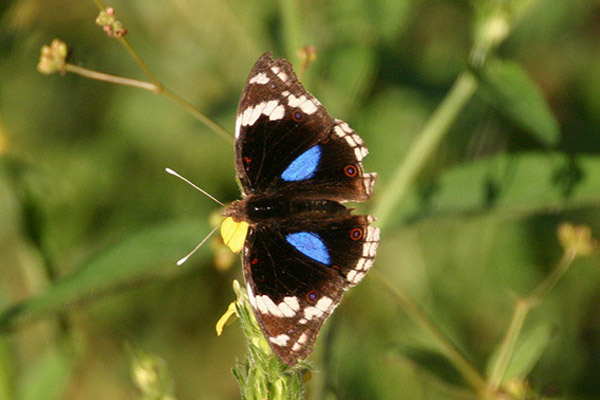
(303, 248)
(260, 210)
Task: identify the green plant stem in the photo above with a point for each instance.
(218, 129)
(425, 144)
(470, 374)
(464, 87)
(552, 279)
(522, 308)
(291, 28)
(125, 43)
(88, 73)
(154, 89)
(155, 86)
(123, 40)
(99, 5)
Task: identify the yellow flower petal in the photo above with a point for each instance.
(225, 318)
(234, 234)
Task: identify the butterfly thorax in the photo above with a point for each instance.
(255, 209)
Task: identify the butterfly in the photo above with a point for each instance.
(301, 248)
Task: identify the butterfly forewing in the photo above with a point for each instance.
(339, 173)
(277, 121)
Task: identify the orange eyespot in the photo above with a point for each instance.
(356, 234)
(350, 170)
(311, 297)
(297, 116)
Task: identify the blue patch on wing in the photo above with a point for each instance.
(311, 245)
(304, 166)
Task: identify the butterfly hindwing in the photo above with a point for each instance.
(296, 275)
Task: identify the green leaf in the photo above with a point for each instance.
(434, 363)
(510, 89)
(513, 185)
(47, 379)
(8, 366)
(146, 254)
(528, 350)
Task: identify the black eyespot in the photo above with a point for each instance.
(311, 297)
(297, 116)
(350, 170)
(356, 234)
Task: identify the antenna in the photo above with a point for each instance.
(204, 192)
(184, 259)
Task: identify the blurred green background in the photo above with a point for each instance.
(91, 226)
